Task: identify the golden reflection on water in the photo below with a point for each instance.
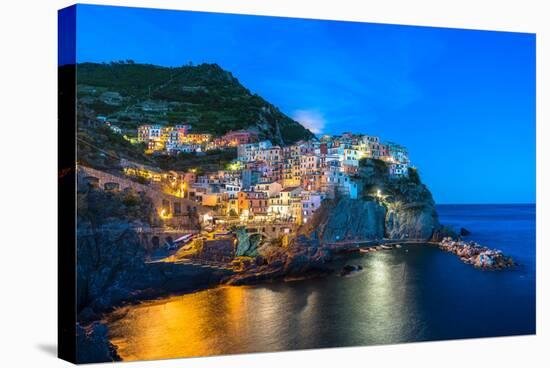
(373, 307)
(181, 326)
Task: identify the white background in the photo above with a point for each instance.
(28, 205)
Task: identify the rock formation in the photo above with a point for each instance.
(111, 266)
(394, 208)
(346, 219)
(93, 344)
(280, 263)
(247, 244)
(477, 255)
(417, 221)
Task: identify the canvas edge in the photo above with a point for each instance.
(66, 187)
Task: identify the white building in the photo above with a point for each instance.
(115, 129)
(310, 203)
(309, 163)
(338, 182)
(281, 206)
(398, 170)
(250, 152)
(147, 133)
(271, 189)
(352, 156)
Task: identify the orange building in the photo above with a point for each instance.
(243, 202)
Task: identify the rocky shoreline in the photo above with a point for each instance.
(477, 255)
(93, 341)
(112, 268)
(295, 263)
(94, 345)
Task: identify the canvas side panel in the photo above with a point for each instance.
(66, 184)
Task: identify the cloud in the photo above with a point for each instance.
(311, 119)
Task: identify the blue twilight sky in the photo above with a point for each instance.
(462, 101)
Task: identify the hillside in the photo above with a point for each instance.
(205, 96)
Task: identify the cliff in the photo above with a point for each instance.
(411, 221)
(410, 208)
(394, 208)
(346, 219)
(112, 268)
(111, 261)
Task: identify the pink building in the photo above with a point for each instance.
(235, 138)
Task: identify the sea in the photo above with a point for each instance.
(415, 293)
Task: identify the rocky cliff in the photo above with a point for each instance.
(247, 245)
(395, 208)
(414, 221)
(111, 266)
(346, 219)
(410, 209)
(275, 262)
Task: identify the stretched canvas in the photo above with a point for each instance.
(239, 184)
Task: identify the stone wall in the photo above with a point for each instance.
(218, 250)
(272, 230)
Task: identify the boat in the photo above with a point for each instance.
(385, 246)
(398, 245)
(364, 250)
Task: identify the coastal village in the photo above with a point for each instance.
(277, 175)
(267, 189)
(265, 183)
(205, 220)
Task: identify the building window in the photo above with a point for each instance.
(166, 206)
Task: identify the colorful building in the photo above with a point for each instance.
(310, 203)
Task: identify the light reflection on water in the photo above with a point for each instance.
(335, 311)
(415, 293)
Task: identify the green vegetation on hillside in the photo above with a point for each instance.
(206, 162)
(102, 149)
(205, 96)
(374, 175)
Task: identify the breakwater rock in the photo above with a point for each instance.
(477, 255)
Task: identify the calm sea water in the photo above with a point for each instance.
(416, 293)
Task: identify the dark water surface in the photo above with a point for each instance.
(415, 293)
